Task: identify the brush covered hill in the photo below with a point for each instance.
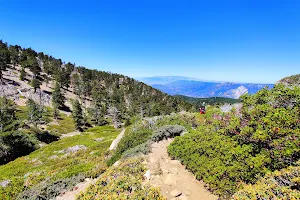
(250, 152)
(290, 80)
(29, 71)
(213, 101)
(202, 89)
(42, 97)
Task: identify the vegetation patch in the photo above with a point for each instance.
(122, 182)
(138, 137)
(283, 184)
(237, 147)
(64, 125)
(51, 164)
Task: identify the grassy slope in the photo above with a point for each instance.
(42, 166)
(123, 182)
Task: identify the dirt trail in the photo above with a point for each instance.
(172, 178)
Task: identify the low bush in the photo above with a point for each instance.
(122, 182)
(260, 136)
(49, 189)
(167, 131)
(15, 144)
(45, 136)
(218, 160)
(144, 148)
(283, 184)
(130, 140)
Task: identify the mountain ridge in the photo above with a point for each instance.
(205, 89)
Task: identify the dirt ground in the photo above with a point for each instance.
(172, 178)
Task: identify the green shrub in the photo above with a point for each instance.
(50, 189)
(167, 131)
(122, 182)
(15, 144)
(283, 184)
(218, 160)
(239, 146)
(143, 148)
(44, 136)
(130, 140)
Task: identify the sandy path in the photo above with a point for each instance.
(172, 178)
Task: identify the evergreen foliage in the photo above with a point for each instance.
(22, 74)
(4, 58)
(105, 90)
(239, 146)
(35, 111)
(77, 115)
(7, 113)
(58, 99)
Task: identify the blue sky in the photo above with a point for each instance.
(232, 40)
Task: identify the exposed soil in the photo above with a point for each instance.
(172, 178)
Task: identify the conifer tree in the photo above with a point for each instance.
(22, 74)
(77, 115)
(7, 112)
(35, 111)
(4, 58)
(35, 83)
(58, 98)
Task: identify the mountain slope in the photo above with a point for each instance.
(209, 89)
(290, 80)
(27, 73)
(198, 102)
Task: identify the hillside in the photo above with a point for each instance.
(38, 91)
(290, 80)
(25, 71)
(68, 132)
(203, 89)
(214, 101)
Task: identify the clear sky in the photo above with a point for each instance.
(225, 40)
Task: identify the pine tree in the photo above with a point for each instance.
(77, 115)
(22, 74)
(58, 98)
(35, 111)
(7, 112)
(4, 58)
(35, 83)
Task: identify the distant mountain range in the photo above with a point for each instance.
(192, 87)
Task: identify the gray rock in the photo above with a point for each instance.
(99, 139)
(75, 149)
(5, 183)
(175, 193)
(53, 157)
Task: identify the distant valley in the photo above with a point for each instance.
(192, 87)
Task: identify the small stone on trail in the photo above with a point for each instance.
(175, 193)
(147, 175)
